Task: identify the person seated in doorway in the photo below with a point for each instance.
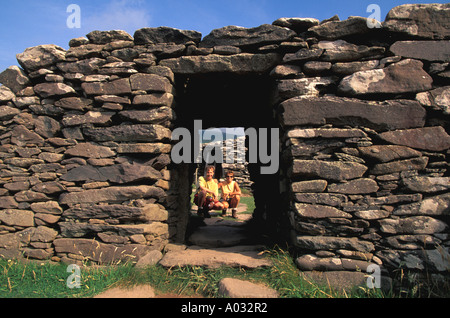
(207, 194)
(231, 194)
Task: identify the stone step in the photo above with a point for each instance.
(247, 256)
(218, 236)
(236, 288)
(143, 291)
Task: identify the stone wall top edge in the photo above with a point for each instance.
(419, 22)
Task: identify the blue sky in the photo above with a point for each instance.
(27, 23)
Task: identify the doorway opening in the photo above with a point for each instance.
(227, 155)
(240, 103)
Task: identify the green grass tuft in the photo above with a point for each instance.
(48, 280)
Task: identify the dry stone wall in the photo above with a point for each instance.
(85, 139)
(366, 144)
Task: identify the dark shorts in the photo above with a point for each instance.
(208, 200)
(227, 200)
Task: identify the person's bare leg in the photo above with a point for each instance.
(201, 198)
(218, 206)
(225, 207)
(234, 203)
(201, 202)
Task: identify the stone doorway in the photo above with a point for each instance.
(229, 100)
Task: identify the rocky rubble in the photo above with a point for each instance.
(85, 137)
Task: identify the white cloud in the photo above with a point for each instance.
(127, 15)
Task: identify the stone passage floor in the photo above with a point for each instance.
(219, 242)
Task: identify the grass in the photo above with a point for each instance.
(250, 202)
(47, 280)
(32, 279)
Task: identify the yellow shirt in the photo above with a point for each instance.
(210, 185)
(228, 188)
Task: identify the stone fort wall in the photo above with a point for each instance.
(85, 140)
